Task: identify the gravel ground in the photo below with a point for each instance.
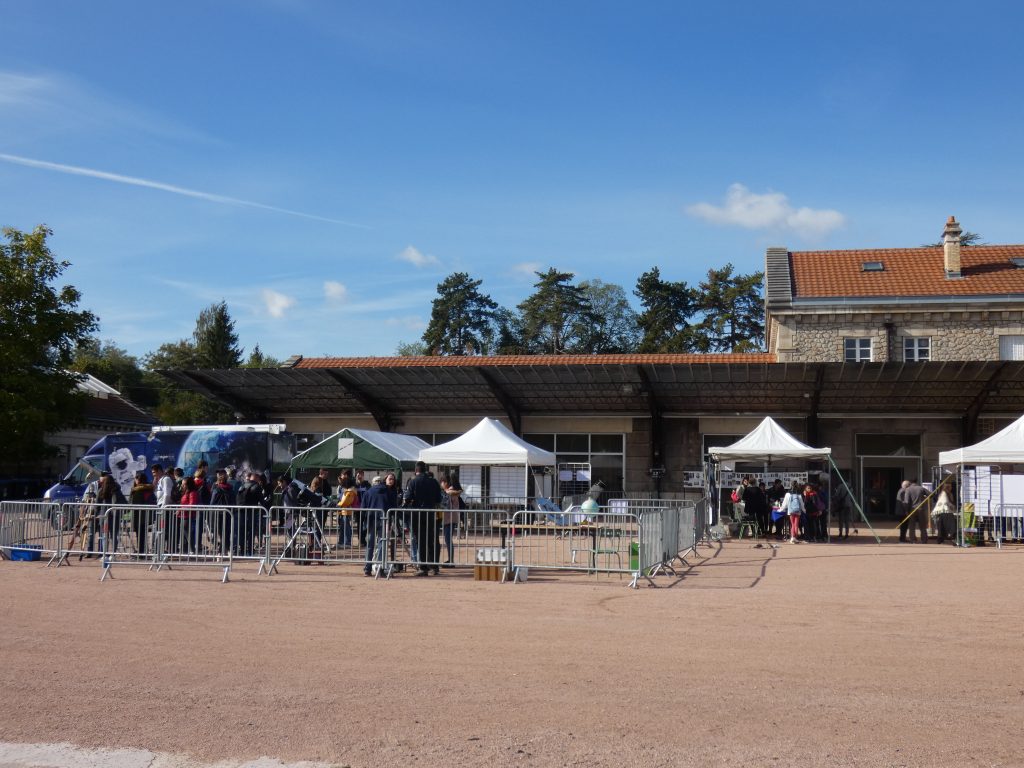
(802, 655)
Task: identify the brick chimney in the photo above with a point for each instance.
(951, 249)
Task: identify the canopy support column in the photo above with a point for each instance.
(510, 407)
(657, 442)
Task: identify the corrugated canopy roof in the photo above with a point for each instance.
(389, 388)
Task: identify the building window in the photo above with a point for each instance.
(606, 453)
(1011, 347)
(917, 350)
(857, 350)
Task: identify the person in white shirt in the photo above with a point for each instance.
(164, 485)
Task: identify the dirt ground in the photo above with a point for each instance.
(801, 655)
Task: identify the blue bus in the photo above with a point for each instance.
(239, 448)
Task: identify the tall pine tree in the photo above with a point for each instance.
(665, 321)
(462, 319)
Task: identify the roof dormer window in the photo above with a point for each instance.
(872, 266)
(1017, 261)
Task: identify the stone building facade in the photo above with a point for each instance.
(939, 303)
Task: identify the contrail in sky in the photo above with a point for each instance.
(134, 181)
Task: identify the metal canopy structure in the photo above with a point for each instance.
(626, 385)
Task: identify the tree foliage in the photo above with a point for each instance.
(259, 360)
(668, 307)
(40, 329)
(556, 318)
(461, 318)
(216, 343)
(613, 328)
(733, 311)
(411, 349)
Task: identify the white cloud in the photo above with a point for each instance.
(419, 260)
(772, 210)
(276, 303)
(526, 268)
(334, 290)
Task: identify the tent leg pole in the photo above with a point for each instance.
(854, 500)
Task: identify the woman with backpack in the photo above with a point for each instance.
(793, 504)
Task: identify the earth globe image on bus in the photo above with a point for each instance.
(222, 450)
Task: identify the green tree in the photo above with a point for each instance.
(555, 317)
(733, 311)
(461, 318)
(216, 342)
(411, 349)
(668, 307)
(614, 328)
(259, 360)
(40, 328)
(114, 366)
(508, 334)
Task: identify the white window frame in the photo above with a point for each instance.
(856, 345)
(917, 349)
(1011, 347)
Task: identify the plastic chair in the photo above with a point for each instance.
(751, 526)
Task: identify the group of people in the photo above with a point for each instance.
(914, 511)
(799, 514)
(180, 527)
(432, 510)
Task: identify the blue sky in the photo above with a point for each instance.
(321, 166)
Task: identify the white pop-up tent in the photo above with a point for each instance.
(770, 442)
(767, 442)
(1004, 447)
(490, 443)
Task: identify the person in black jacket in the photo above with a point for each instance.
(423, 495)
(377, 500)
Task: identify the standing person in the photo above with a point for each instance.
(814, 506)
(842, 504)
(348, 502)
(944, 515)
(141, 496)
(357, 517)
(164, 484)
(915, 496)
(109, 497)
(247, 519)
(423, 495)
(223, 495)
(902, 509)
(793, 503)
(775, 496)
(325, 483)
(753, 502)
(377, 500)
(187, 533)
(453, 506)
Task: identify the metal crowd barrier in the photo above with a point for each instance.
(1005, 524)
(30, 526)
(637, 537)
(155, 537)
(603, 542)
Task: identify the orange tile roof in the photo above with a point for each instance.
(986, 269)
(525, 360)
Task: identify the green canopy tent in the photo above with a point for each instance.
(362, 449)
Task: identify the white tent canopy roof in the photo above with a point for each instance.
(490, 442)
(767, 441)
(1004, 447)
